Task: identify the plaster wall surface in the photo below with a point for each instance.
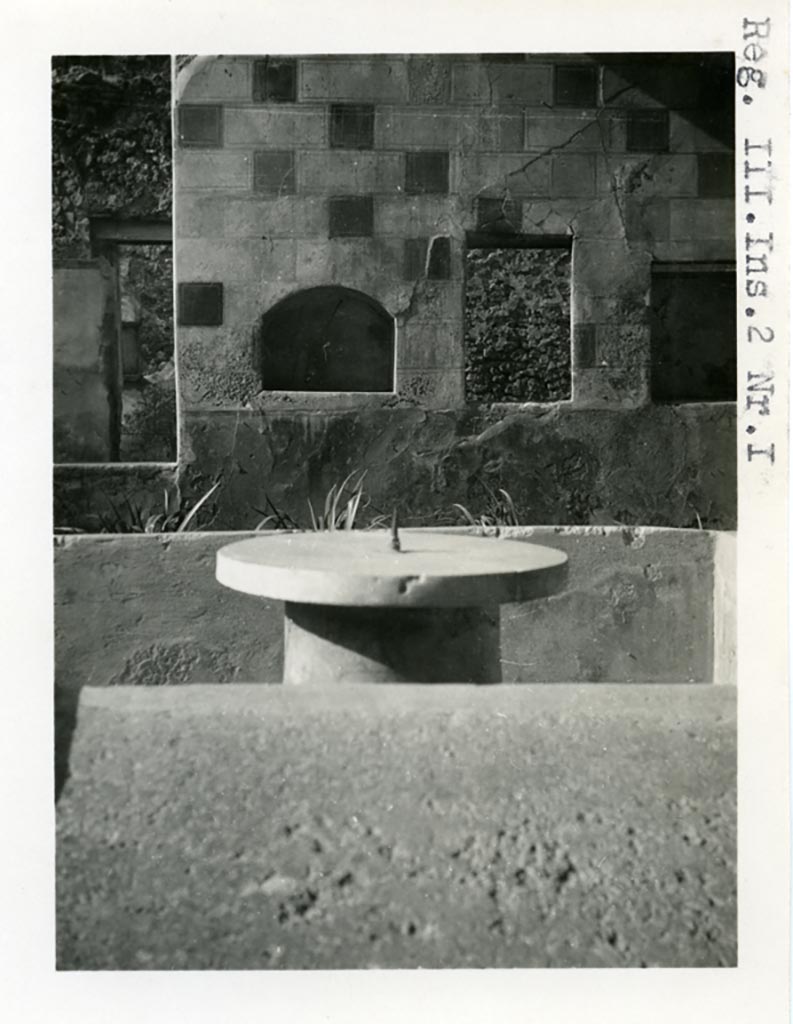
(147, 610)
(664, 465)
(549, 172)
(87, 370)
(209, 827)
(563, 170)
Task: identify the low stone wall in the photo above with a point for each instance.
(663, 465)
(146, 609)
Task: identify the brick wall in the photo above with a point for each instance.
(630, 157)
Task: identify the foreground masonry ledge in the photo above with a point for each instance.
(249, 827)
(641, 604)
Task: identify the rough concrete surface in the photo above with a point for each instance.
(209, 827)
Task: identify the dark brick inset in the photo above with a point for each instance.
(275, 80)
(426, 173)
(352, 126)
(647, 131)
(351, 217)
(715, 175)
(201, 304)
(200, 125)
(584, 346)
(274, 172)
(501, 216)
(575, 85)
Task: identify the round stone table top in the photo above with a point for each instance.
(360, 568)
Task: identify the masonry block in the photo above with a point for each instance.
(432, 389)
(599, 218)
(291, 217)
(687, 137)
(220, 79)
(647, 131)
(275, 80)
(200, 304)
(286, 127)
(692, 219)
(344, 172)
(274, 172)
(524, 85)
(648, 175)
(608, 388)
(584, 351)
(500, 132)
(373, 264)
(612, 268)
(521, 174)
(200, 125)
(441, 300)
(575, 85)
(715, 175)
(426, 173)
(433, 345)
(379, 80)
(662, 83)
(429, 80)
(350, 216)
(549, 217)
(414, 216)
(200, 216)
(351, 126)
(417, 264)
(218, 170)
(573, 175)
(397, 128)
(500, 216)
(565, 130)
(646, 220)
(236, 260)
(700, 249)
(623, 346)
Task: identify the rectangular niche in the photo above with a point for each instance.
(517, 323)
(693, 336)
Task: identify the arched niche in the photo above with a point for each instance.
(327, 339)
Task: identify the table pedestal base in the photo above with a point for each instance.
(329, 644)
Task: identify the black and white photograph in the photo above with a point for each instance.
(418, 431)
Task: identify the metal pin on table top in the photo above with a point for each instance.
(395, 532)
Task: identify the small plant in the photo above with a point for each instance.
(339, 514)
(340, 511)
(500, 510)
(175, 516)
